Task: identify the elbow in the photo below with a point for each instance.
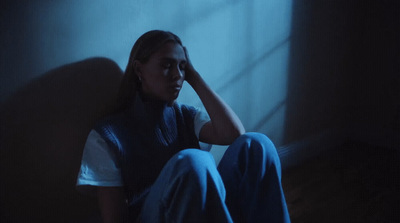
(234, 134)
(242, 130)
(222, 136)
(238, 132)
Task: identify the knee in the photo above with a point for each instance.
(191, 156)
(196, 168)
(255, 136)
(255, 149)
(259, 143)
(193, 160)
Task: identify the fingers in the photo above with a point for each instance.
(189, 65)
(186, 54)
(189, 69)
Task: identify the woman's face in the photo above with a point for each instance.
(163, 74)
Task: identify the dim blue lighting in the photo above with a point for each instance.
(240, 47)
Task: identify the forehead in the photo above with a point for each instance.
(170, 50)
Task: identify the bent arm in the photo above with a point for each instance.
(111, 203)
(225, 126)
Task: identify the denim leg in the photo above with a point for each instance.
(188, 189)
(251, 171)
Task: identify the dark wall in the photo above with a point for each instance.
(376, 87)
(344, 69)
(44, 126)
(17, 59)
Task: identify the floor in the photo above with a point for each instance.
(353, 183)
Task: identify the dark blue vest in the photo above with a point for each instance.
(144, 138)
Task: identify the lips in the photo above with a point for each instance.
(176, 86)
(174, 89)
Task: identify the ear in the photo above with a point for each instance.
(137, 67)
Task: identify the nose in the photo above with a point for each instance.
(177, 73)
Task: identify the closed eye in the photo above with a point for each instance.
(182, 65)
(166, 65)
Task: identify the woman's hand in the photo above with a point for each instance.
(190, 72)
(224, 126)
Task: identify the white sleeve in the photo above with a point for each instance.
(98, 166)
(200, 119)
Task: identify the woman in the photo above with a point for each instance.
(145, 160)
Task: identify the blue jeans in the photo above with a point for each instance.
(246, 186)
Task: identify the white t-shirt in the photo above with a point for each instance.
(99, 164)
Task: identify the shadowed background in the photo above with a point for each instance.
(311, 75)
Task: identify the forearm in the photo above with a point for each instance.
(225, 123)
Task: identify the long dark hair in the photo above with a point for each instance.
(144, 47)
